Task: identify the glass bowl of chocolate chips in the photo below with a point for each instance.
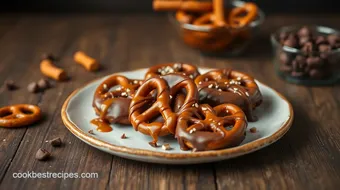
(307, 55)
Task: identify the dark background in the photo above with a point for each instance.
(269, 6)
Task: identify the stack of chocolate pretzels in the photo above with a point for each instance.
(204, 112)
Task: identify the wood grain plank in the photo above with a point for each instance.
(307, 157)
(73, 34)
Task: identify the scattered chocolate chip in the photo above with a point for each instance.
(123, 136)
(42, 154)
(48, 56)
(43, 84)
(91, 132)
(56, 142)
(10, 85)
(33, 87)
(153, 144)
(253, 130)
(304, 31)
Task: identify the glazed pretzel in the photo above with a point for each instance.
(157, 117)
(221, 127)
(167, 68)
(19, 115)
(120, 98)
(242, 16)
(229, 76)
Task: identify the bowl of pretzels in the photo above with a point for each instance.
(214, 26)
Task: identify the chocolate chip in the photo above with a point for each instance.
(314, 62)
(48, 56)
(10, 85)
(316, 74)
(284, 58)
(308, 48)
(321, 40)
(33, 87)
(253, 130)
(153, 144)
(42, 154)
(333, 39)
(323, 48)
(304, 39)
(123, 136)
(304, 31)
(43, 84)
(56, 142)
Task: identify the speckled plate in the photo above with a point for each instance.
(275, 118)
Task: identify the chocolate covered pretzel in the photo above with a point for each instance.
(229, 86)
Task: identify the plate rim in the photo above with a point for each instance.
(229, 152)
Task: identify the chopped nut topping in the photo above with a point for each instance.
(105, 86)
(210, 85)
(166, 147)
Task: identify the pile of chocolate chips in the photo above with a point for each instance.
(314, 61)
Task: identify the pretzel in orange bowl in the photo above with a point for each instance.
(210, 128)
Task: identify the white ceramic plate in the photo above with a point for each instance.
(275, 118)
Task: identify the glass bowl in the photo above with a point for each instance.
(223, 40)
(304, 67)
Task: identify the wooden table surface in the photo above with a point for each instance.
(307, 157)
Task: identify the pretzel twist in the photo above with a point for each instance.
(158, 116)
(229, 86)
(19, 115)
(167, 68)
(105, 99)
(242, 16)
(211, 128)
